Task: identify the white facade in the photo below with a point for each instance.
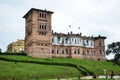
(72, 41)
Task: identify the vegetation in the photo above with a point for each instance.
(26, 71)
(28, 67)
(115, 49)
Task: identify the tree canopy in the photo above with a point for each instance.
(115, 49)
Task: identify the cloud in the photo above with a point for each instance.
(94, 17)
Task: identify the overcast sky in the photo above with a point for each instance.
(94, 17)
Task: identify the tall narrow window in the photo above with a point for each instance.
(52, 51)
(62, 51)
(87, 52)
(83, 52)
(42, 26)
(100, 52)
(87, 42)
(52, 39)
(58, 51)
(75, 51)
(66, 51)
(94, 53)
(78, 51)
(42, 15)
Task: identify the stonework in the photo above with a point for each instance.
(42, 42)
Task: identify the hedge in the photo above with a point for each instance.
(22, 54)
(83, 70)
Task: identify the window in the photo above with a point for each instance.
(100, 52)
(45, 44)
(66, 51)
(83, 52)
(75, 41)
(42, 32)
(42, 26)
(52, 39)
(58, 51)
(74, 51)
(62, 51)
(66, 40)
(87, 42)
(52, 51)
(94, 53)
(87, 52)
(42, 15)
(78, 51)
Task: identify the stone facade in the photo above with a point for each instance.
(42, 42)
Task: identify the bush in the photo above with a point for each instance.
(6, 53)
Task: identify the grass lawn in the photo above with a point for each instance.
(28, 71)
(93, 66)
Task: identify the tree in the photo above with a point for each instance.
(115, 49)
(0, 51)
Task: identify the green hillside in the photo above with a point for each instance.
(24, 66)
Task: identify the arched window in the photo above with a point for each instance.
(66, 51)
(52, 51)
(58, 51)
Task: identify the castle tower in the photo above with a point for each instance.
(38, 33)
(100, 47)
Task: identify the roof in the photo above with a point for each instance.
(72, 35)
(103, 37)
(34, 9)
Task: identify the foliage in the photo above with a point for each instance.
(115, 49)
(83, 70)
(22, 71)
(95, 67)
(0, 50)
(6, 53)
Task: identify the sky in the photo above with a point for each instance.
(94, 17)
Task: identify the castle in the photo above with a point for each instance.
(42, 42)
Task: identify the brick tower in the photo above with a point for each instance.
(38, 33)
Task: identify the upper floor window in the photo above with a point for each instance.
(53, 39)
(100, 52)
(91, 43)
(42, 15)
(87, 42)
(101, 42)
(42, 26)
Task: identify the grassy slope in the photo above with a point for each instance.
(53, 71)
(94, 66)
(23, 70)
